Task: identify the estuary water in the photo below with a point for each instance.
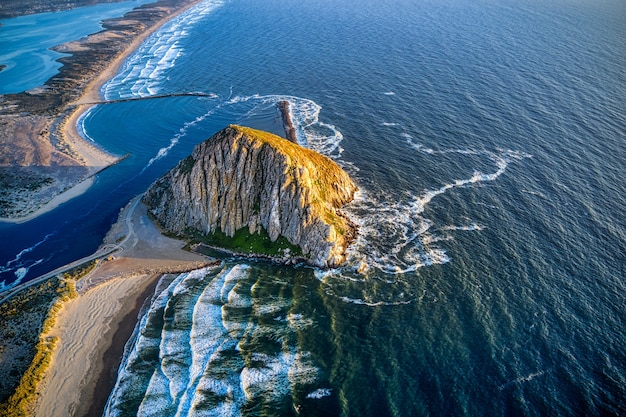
(488, 142)
(25, 41)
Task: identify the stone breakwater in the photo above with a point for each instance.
(290, 130)
(245, 178)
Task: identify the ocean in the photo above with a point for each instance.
(488, 142)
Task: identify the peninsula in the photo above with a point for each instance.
(249, 191)
(43, 159)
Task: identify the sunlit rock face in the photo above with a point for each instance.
(246, 178)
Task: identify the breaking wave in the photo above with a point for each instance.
(143, 73)
(395, 237)
(210, 345)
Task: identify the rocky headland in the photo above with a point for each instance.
(246, 186)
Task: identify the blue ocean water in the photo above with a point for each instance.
(488, 142)
(25, 41)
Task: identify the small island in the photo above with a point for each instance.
(256, 193)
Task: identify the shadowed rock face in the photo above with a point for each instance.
(243, 177)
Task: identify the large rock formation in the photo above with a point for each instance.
(245, 178)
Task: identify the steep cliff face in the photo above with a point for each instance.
(245, 178)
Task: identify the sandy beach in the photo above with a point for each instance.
(94, 327)
(77, 361)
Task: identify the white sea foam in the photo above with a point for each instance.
(319, 393)
(394, 236)
(299, 322)
(127, 379)
(535, 193)
(383, 219)
(215, 361)
(334, 283)
(175, 354)
(20, 267)
(80, 124)
(469, 228)
(273, 377)
(373, 304)
(157, 396)
(231, 277)
(271, 306)
(209, 337)
(182, 132)
(522, 379)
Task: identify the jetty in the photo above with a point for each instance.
(154, 97)
(290, 130)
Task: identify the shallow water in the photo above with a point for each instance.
(488, 143)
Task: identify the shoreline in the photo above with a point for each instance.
(97, 158)
(106, 369)
(93, 328)
(90, 155)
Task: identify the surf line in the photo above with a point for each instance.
(122, 100)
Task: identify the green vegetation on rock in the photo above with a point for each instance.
(248, 243)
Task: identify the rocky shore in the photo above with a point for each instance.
(41, 154)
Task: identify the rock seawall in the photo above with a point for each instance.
(290, 130)
(245, 178)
